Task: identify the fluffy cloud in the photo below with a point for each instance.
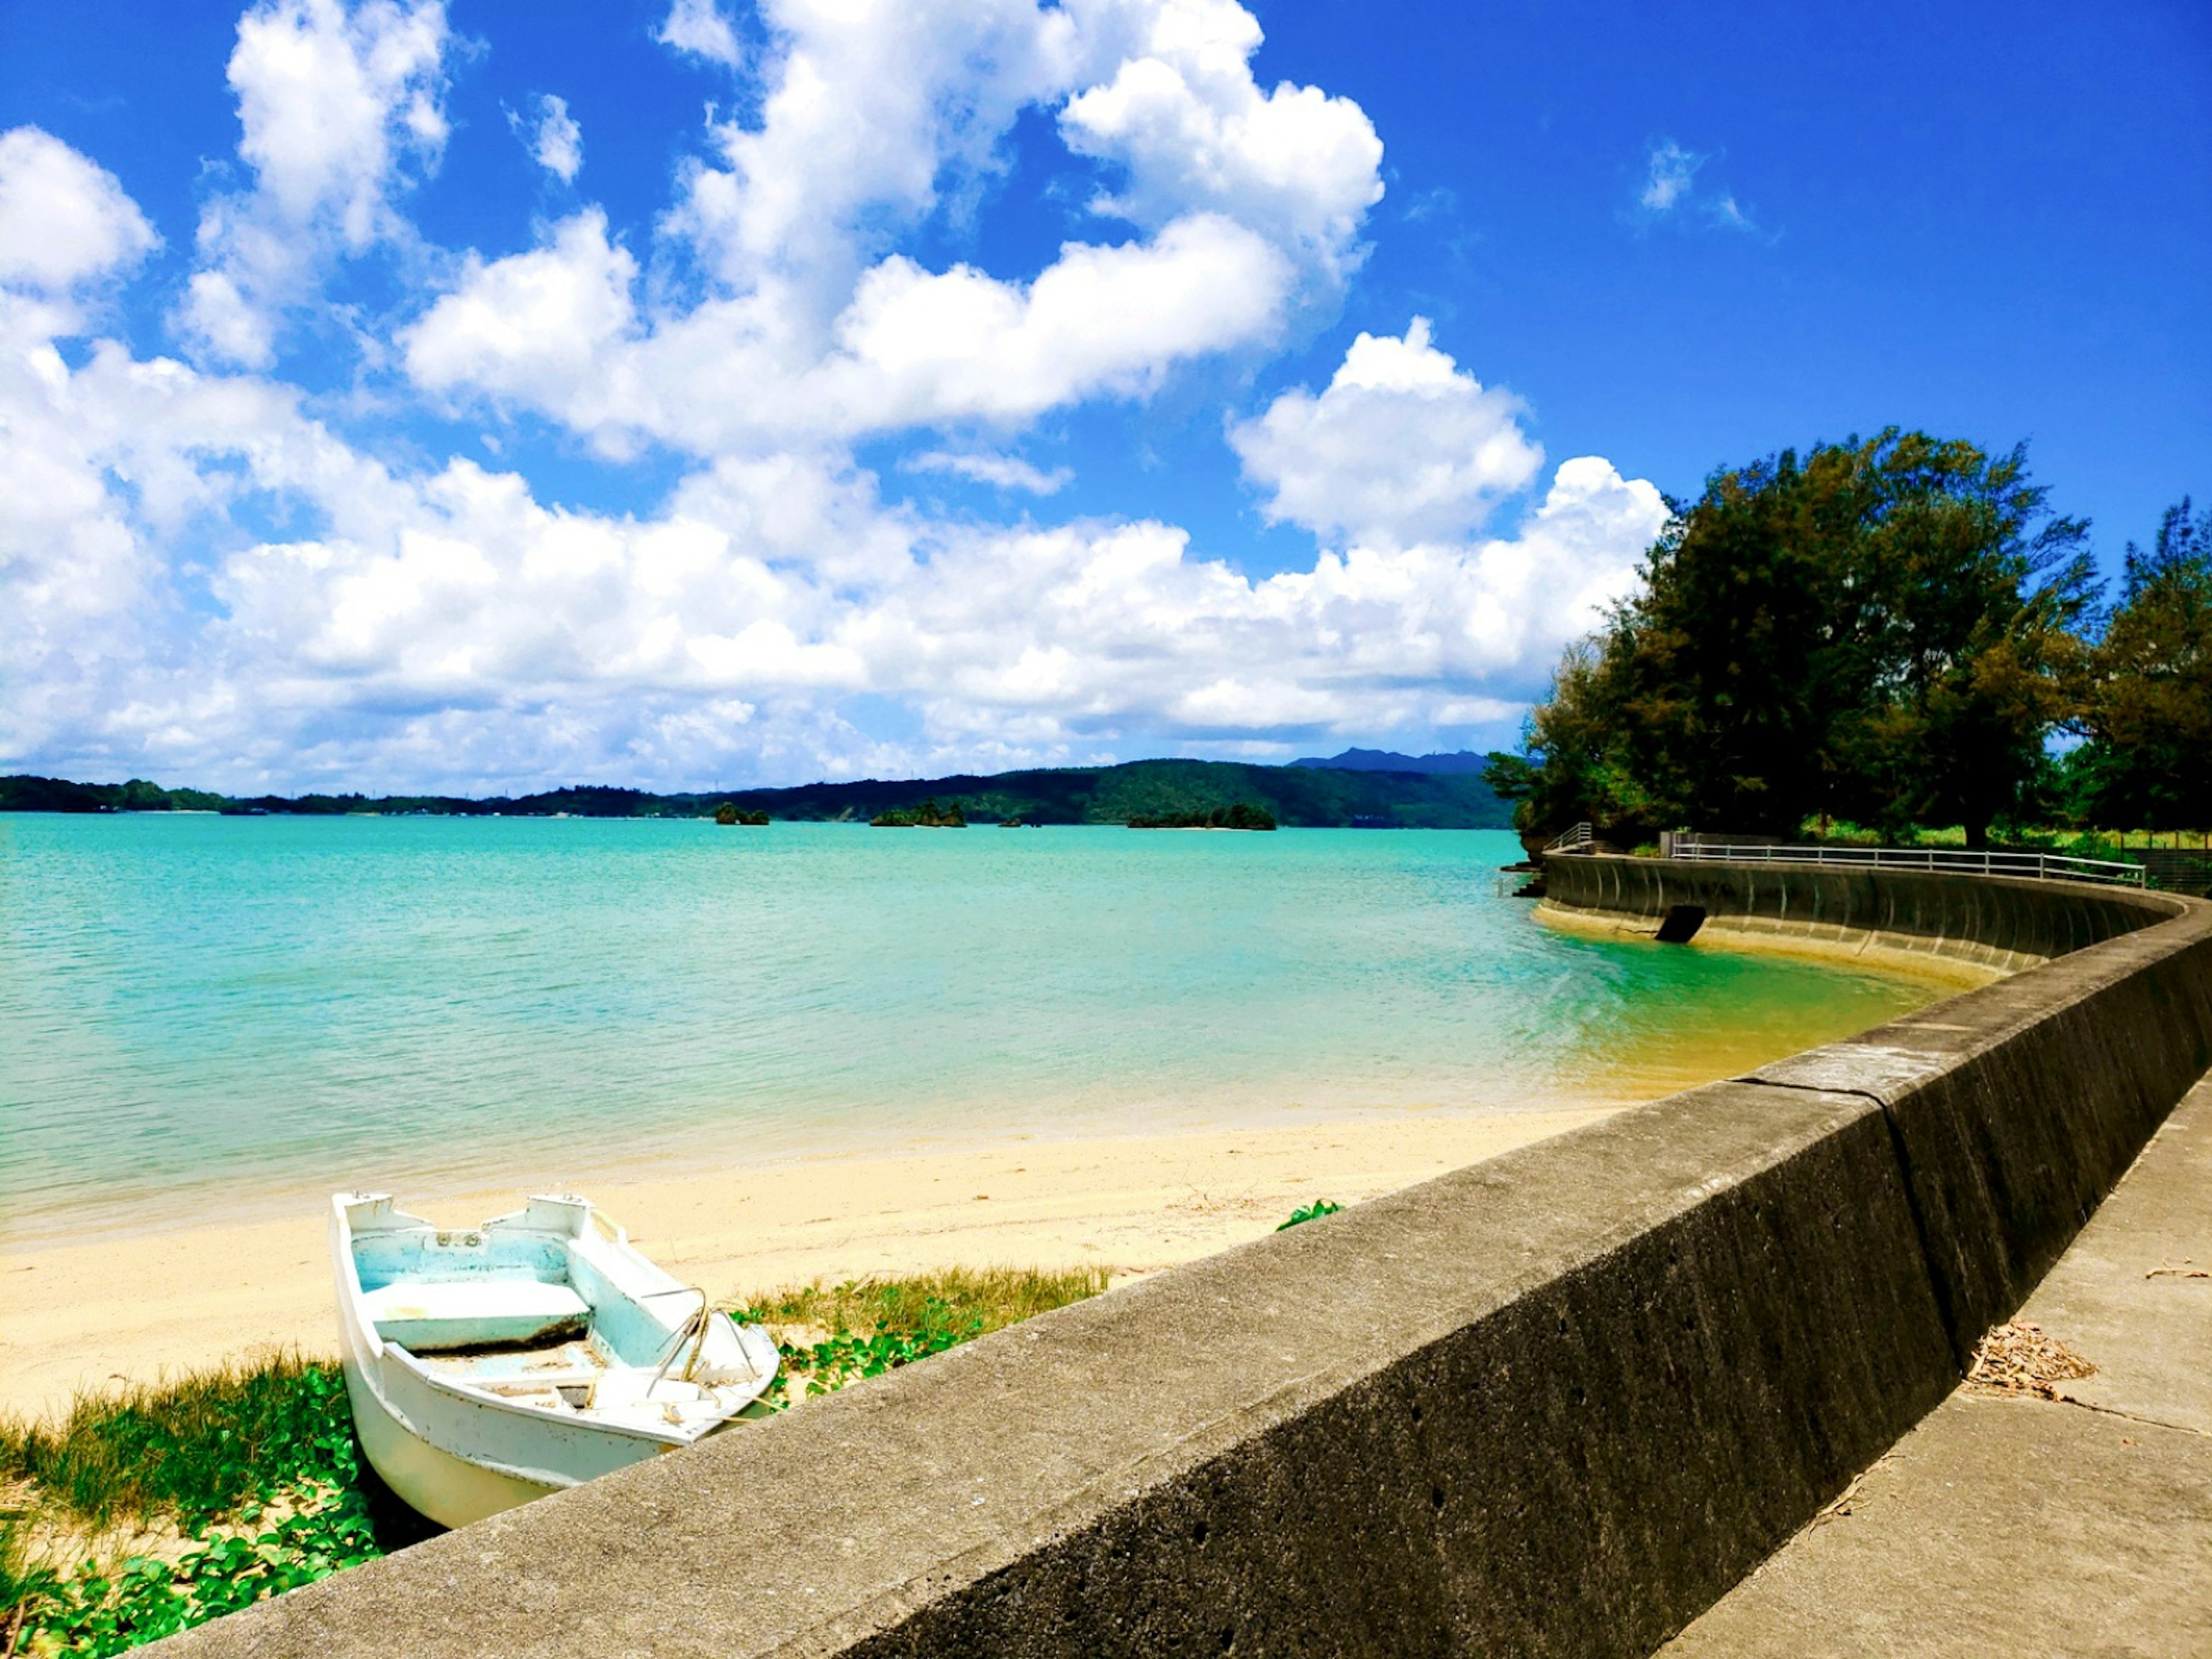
(532, 328)
(1183, 118)
(917, 347)
(203, 576)
(1402, 446)
(873, 112)
(698, 27)
(871, 108)
(556, 330)
(337, 106)
(555, 140)
(64, 220)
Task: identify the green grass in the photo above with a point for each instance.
(922, 1305)
(255, 1464)
(183, 1450)
(877, 1325)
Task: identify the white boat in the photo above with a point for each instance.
(491, 1365)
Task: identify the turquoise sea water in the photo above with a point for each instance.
(246, 1012)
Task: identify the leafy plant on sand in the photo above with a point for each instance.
(833, 1334)
(1313, 1212)
(254, 1467)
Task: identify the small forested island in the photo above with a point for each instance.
(1243, 815)
(927, 816)
(729, 812)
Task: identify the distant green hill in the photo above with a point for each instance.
(1300, 796)
(1305, 797)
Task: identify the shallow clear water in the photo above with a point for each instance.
(250, 1009)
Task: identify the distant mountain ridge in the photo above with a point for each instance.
(1324, 797)
(1385, 760)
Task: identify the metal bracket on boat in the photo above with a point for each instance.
(693, 1330)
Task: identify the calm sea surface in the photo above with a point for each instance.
(243, 1011)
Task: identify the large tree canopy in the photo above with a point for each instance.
(1884, 630)
(2147, 706)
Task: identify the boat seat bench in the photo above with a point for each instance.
(467, 1312)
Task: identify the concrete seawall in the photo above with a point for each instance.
(1556, 1403)
(2014, 1109)
(1998, 922)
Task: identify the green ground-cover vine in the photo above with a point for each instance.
(831, 1335)
(255, 1469)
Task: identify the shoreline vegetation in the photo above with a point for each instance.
(1300, 796)
(142, 1514)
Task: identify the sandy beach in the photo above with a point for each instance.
(83, 1317)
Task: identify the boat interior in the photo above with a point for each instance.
(540, 1310)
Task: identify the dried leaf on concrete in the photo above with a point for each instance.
(2018, 1357)
(2186, 1269)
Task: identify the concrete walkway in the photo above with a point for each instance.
(2010, 1524)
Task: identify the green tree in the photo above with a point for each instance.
(1986, 596)
(1568, 769)
(2148, 709)
(1881, 629)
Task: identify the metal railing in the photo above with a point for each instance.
(1568, 841)
(2040, 866)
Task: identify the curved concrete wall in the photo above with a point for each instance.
(1996, 921)
(1553, 1404)
(2016, 1108)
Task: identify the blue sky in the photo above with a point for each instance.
(414, 395)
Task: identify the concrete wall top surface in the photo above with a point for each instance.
(1555, 1403)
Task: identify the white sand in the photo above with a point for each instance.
(83, 1317)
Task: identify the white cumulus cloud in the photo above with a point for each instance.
(204, 577)
(533, 327)
(698, 27)
(873, 116)
(920, 347)
(556, 139)
(1401, 447)
(337, 106)
(1184, 119)
(64, 219)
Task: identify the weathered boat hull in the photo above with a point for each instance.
(462, 1435)
(449, 1490)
